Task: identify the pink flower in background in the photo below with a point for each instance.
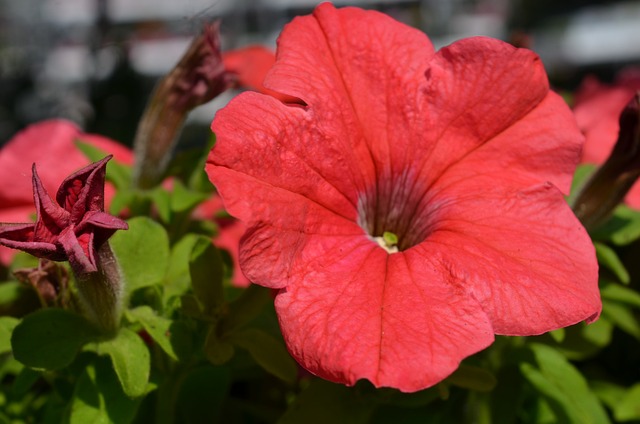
(597, 110)
(412, 206)
(50, 144)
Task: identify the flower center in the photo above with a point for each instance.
(394, 213)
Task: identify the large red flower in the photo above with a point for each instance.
(50, 144)
(463, 154)
(597, 110)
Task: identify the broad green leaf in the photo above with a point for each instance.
(142, 252)
(131, 361)
(628, 409)
(206, 271)
(324, 402)
(51, 338)
(177, 280)
(563, 387)
(622, 317)
(98, 398)
(608, 258)
(473, 378)
(158, 327)
(246, 307)
(616, 292)
(268, 352)
(118, 173)
(7, 324)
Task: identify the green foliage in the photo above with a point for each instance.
(51, 338)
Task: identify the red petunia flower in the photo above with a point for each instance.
(597, 110)
(50, 144)
(413, 207)
(72, 229)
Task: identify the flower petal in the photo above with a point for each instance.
(51, 218)
(21, 237)
(476, 88)
(521, 253)
(83, 190)
(392, 319)
(367, 88)
(80, 251)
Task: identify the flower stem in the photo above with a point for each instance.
(101, 292)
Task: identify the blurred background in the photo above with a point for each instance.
(96, 61)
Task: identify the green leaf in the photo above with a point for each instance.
(583, 172)
(118, 173)
(618, 293)
(177, 280)
(7, 324)
(622, 228)
(558, 335)
(622, 317)
(10, 291)
(25, 380)
(159, 328)
(206, 271)
(473, 378)
(98, 398)
(268, 352)
(608, 258)
(51, 338)
(563, 387)
(628, 408)
(610, 394)
(324, 402)
(162, 201)
(131, 361)
(142, 252)
(184, 199)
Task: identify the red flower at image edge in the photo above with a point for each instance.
(50, 144)
(464, 154)
(597, 110)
